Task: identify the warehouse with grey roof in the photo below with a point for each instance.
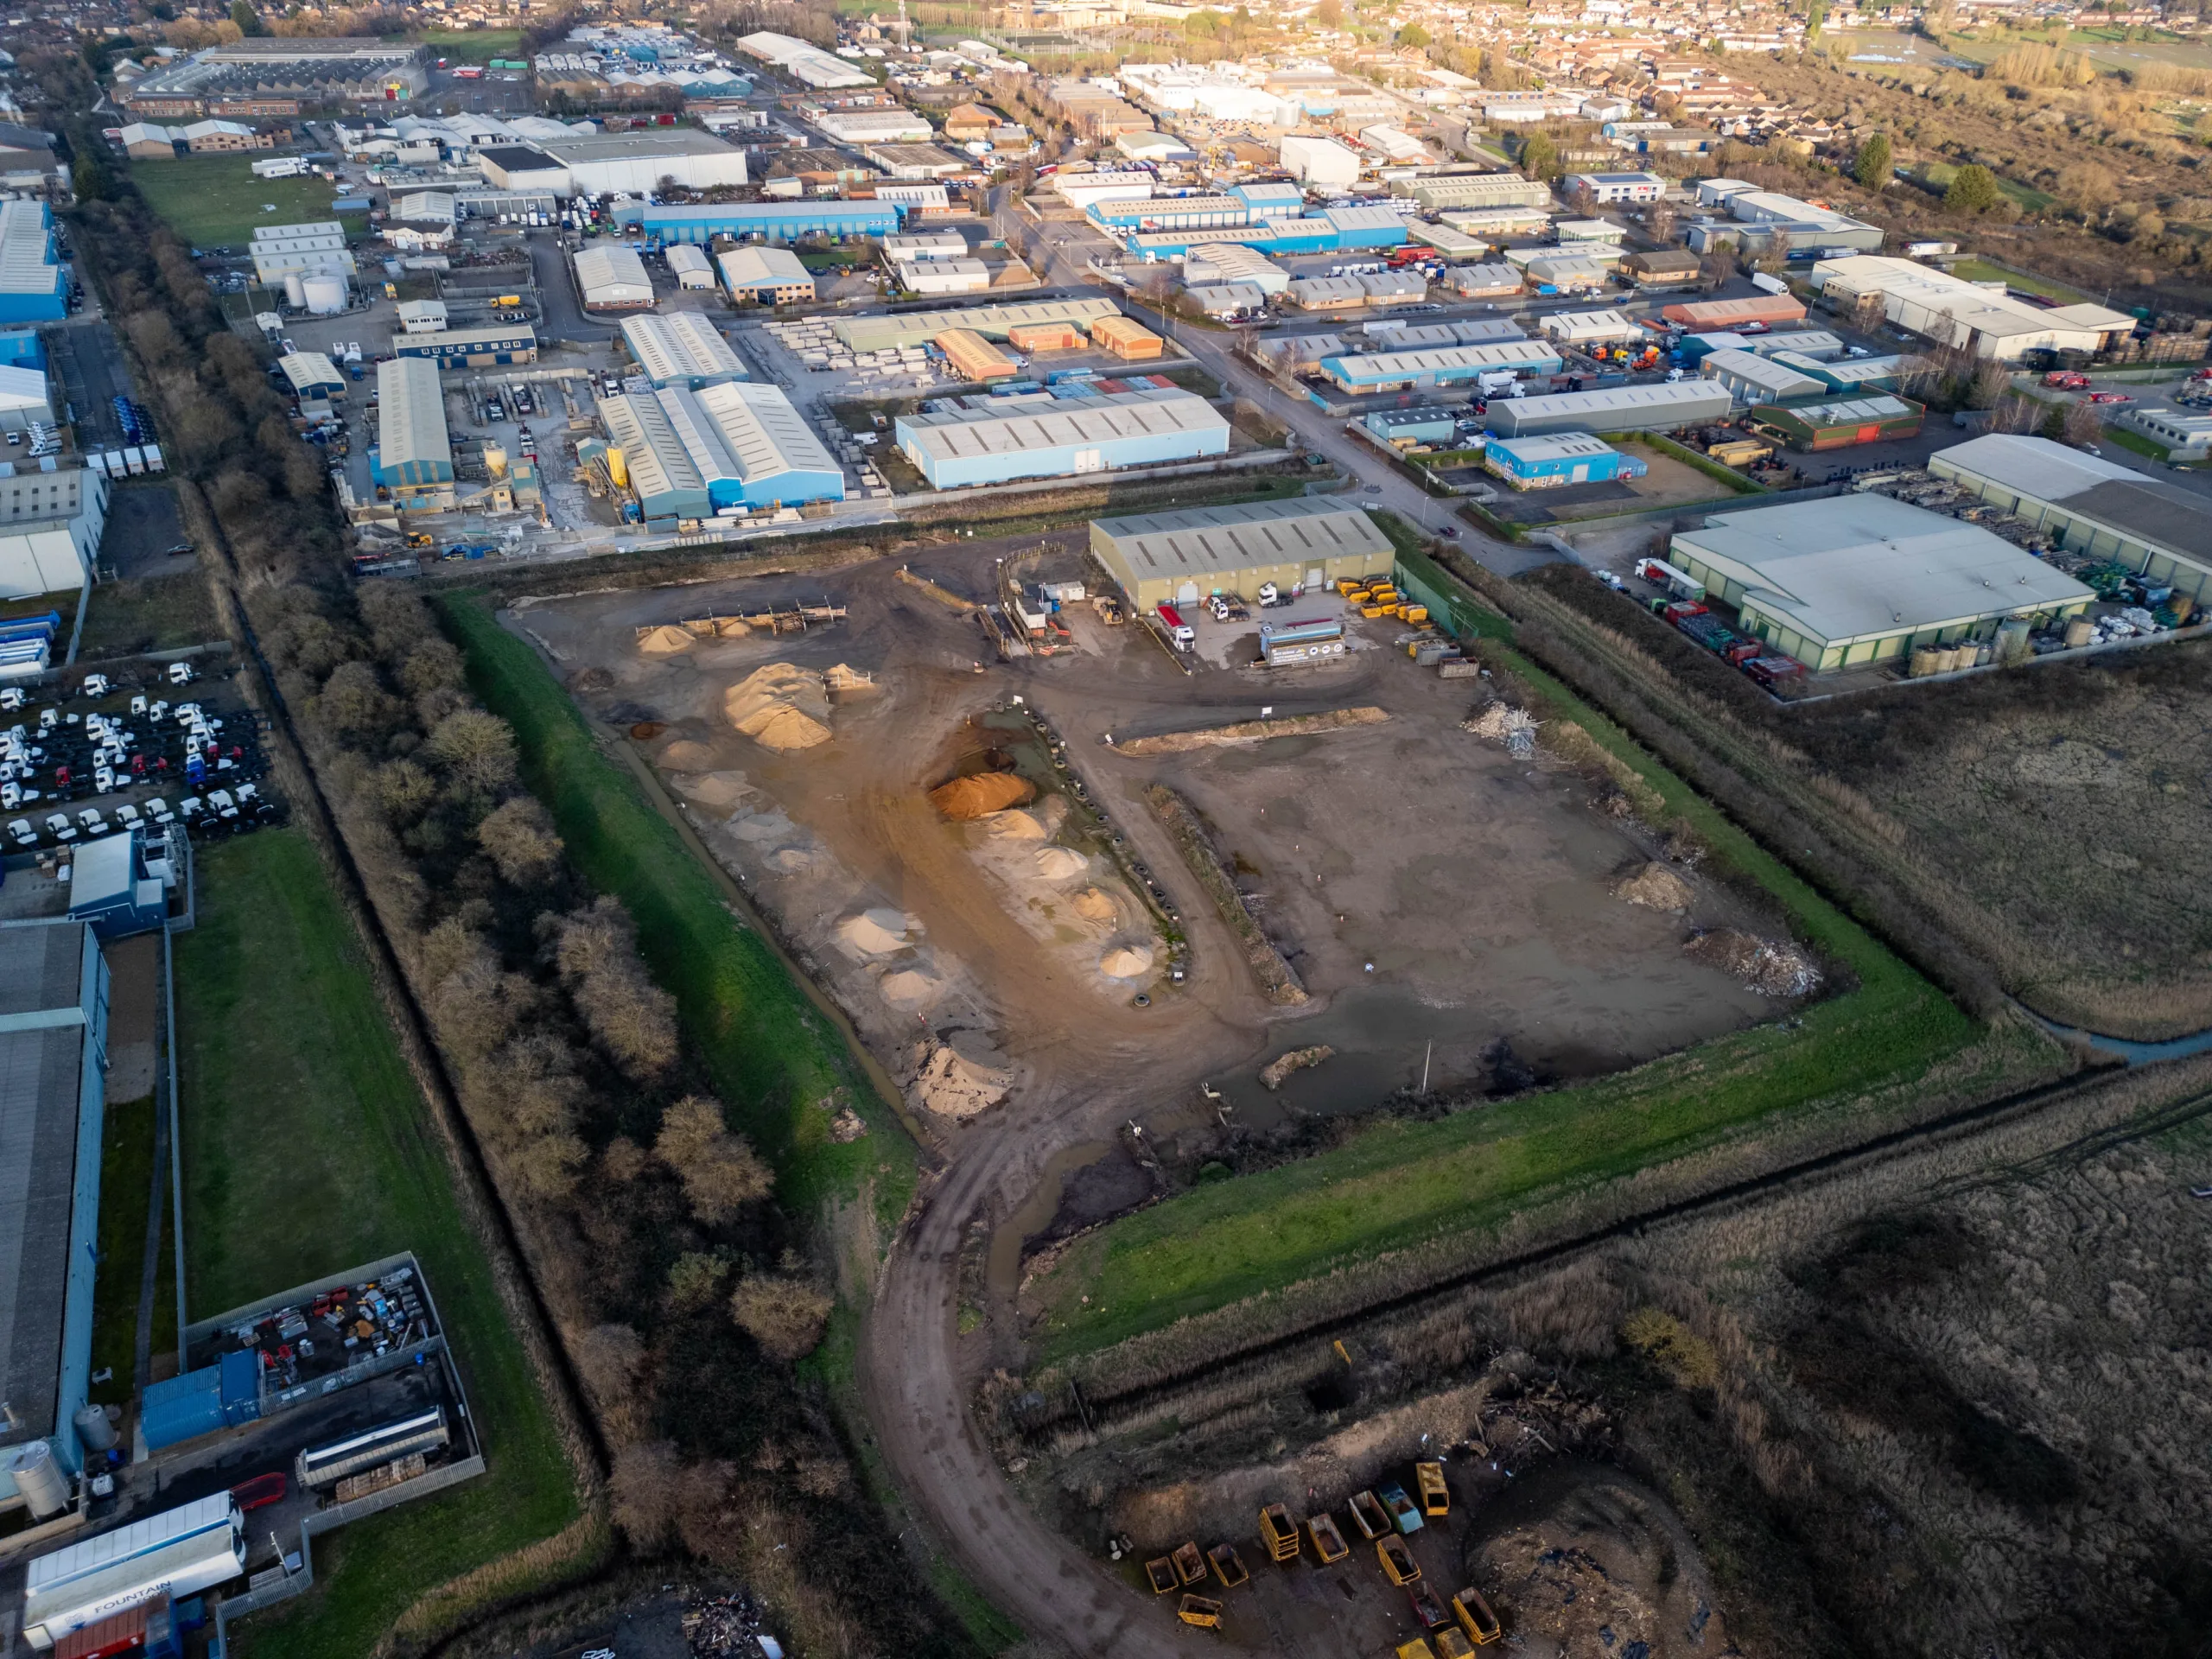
(1180, 557)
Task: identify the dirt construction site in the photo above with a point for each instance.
(953, 847)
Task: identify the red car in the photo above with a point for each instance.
(2110, 397)
(260, 1492)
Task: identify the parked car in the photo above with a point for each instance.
(260, 1491)
(2110, 397)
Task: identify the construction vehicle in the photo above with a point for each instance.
(1475, 1617)
(1398, 1563)
(1190, 1564)
(1428, 1607)
(1328, 1543)
(1435, 1496)
(1368, 1516)
(1159, 1573)
(1109, 609)
(1196, 1609)
(1404, 1513)
(1228, 1566)
(1417, 1649)
(1279, 1532)
(1452, 1643)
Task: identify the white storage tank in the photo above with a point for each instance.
(39, 1479)
(296, 291)
(326, 295)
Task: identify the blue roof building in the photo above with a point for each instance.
(1337, 229)
(770, 221)
(1169, 213)
(1281, 200)
(32, 282)
(1559, 458)
(120, 884)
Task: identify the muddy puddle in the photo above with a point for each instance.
(1038, 1211)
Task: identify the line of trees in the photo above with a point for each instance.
(682, 1291)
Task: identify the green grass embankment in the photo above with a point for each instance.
(215, 201)
(774, 1055)
(308, 1150)
(1401, 1184)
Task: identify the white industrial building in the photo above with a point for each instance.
(1037, 435)
(24, 398)
(858, 127)
(50, 525)
(282, 251)
(766, 276)
(1396, 145)
(1184, 89)
(1662, 408)
(1480, 190)
(1751, 378)
(807, 64)
(936, 276)
(690, 266)
(613, 278)
(1082, 190)
(1217, 263)
(633, 163)
(1591, 327)
(422, 316)
(683, 348)
(1322, 161)
(1228, 300)
(924, 245)
(1952, 311)
(1618, 187)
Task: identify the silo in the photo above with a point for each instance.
(94, 1432)
(39, 1479)
(326, 295)
(296, 291)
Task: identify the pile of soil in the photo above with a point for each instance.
(780, 707)
(964, 799)
(964, 1077)
(685, 755)
(665, 640)
(714, 788)
(879, 932)
(911, 990)
(1125, 962)
(1273, 1074)
(1254, 731)
(1095, 905)
(1656, 886)
(1014, 825)
(1061, 863)
(1770, 967)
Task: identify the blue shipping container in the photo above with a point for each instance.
(182, 1409)
(241, 1386)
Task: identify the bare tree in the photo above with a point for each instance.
(2084, 425)
(783, 1313)
(647, 1487)
(518, 835)
(720, 1172)
(476, 749)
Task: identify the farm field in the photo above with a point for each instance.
(307, 1150)
(215, 201)
(474, 45)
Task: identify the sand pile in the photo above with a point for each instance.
(1014, 825)
(1127, 962)
(665, 641)
(685, 755)
(977, 796)
(878, 932)
(779, 706)
(1656, 886)
(1095, 905)
(964, 1077)
(1061, 863)
(911, 990)
(789, 861)
(1272, 1074)
(1770, 967)
(714, 788)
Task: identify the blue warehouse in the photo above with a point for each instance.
(997, 440)
(770, 221)
(32, 283)
(1334, 230)
(1559, 458)
(1266, 201)
(718, 451)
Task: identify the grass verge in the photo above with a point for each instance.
(126, 1196)
(214, 201)
(776, 1058)
(307, 1149)
(2149, 448)
(1398, 1185)
(1988, 270)
(474, 45)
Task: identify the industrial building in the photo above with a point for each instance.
(1409, 429)
(1169, 213)
(1396, 334)
(1664, 268)
(1296, 353)
(282, 75)
(940, 277)
(858, 127)
(33, 288)
(1333, 230)
(1484, 281)
(766, 276)
(1837, 424)
(1952, 311)
(767, 221)
(1037, 435)
(1269, 200)
(1319, 161)
(681, 349)
(50, 525)
(1178, 558)
(312, 375)
(892, 331)
(1864, 578)
(412, 460)
(698, 455)
(610, 277)
(1449, 243)
(1357, 293)
(1232, 263)
(1129, 340)
(53, 1013)
(1769, 310)
(1228, 300)
(1661, 408)
(1617, 186)
(1756, 216)
(471, 348)
(690, 266)
(807, 64)
(973, 359)
(1481, 190)
(1751, 378)
(24, 399)
(1449, 365)
(1080, 190)
(1606, 328)
(2187, 436)
(2090, 506)
(522, 167)
(316, 249)
(1555, 459)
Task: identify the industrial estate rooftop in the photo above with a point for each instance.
(1198, 541)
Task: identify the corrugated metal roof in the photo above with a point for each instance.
(763, 268)
(1199, 540)
(1608, 399)
(1551, 446)
(964, 434)
(680, 347)
(411, 413)
(763, 432)
(601, 270)
(1489, 354)
(27, 265)
(918, 327)
(657, 460)
(1864, 565)
(1774, 379)
(1848, 411)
